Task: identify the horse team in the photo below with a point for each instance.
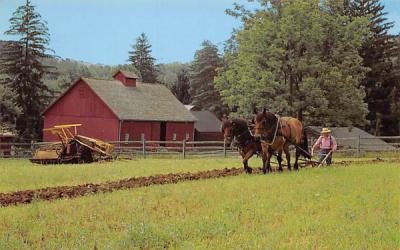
(268, 135)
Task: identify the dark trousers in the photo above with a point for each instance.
(322, 153)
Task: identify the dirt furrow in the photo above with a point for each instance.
(53, 193)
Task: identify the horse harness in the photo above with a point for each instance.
(243, 144)
(277, 125)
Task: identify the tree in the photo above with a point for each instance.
(142, 60)
(167, 73)
(378, 50)
(182, 87)
(9, 110)
(21, 63)
(202, 73)
(176, 77)
(297, 58)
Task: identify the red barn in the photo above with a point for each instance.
(121, 110)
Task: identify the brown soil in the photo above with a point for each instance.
(53, 193)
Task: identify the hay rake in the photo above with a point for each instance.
(72, 147)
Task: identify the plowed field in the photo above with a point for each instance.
(52, 193)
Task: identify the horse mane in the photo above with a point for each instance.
(240, 121)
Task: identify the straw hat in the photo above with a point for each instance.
(325, 130)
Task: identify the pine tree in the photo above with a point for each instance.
(142, 60)
(21, 63)
(377, 51)
(203, 70)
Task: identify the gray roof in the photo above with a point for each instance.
(206, 121)
(348, 138)
(145, 102)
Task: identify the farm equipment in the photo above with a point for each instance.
(72, 147)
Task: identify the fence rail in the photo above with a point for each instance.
(132, 149)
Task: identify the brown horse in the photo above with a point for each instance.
(277, 133)
(237, 130)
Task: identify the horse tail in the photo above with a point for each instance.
(305, 145)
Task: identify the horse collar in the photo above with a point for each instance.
(276, 129)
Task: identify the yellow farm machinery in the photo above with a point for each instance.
(72, 147)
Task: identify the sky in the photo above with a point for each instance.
(102, 31)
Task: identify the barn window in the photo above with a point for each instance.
(126, 137)
(174, 136)
(187, 136)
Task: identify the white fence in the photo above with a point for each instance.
(132, 149)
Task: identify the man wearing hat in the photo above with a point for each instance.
(326, 143)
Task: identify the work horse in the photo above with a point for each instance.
(276, 134)
(238, 132)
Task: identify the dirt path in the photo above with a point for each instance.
(53, 193)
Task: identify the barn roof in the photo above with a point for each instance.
(146, 102)
(127, 74)
(206, 121)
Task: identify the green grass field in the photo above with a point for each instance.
(20, 174)
(353, 207)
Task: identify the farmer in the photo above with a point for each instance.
(327, 145)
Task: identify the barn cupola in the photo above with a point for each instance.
(126, 77)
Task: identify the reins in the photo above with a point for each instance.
(276, 130)
(243, 142)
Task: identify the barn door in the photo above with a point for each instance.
(163, 132)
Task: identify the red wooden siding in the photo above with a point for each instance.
(180, 128)
(151, 130)
(99, 128)
(81, 105)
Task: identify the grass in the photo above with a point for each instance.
(354, 207)
(20, 174)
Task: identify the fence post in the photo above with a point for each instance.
(359, 146)
(32, 147)
(184, 149)
(144, 147)
(224, 150)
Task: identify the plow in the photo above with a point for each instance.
(72, 147)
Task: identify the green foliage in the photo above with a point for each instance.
(21, 62)
(327, 208)
(176, 77)
(383, 80)
(9, 109)
(181, 89)
(142, 60)
(168, 73)
(297, 58)
(68, 71)
(202, 72)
